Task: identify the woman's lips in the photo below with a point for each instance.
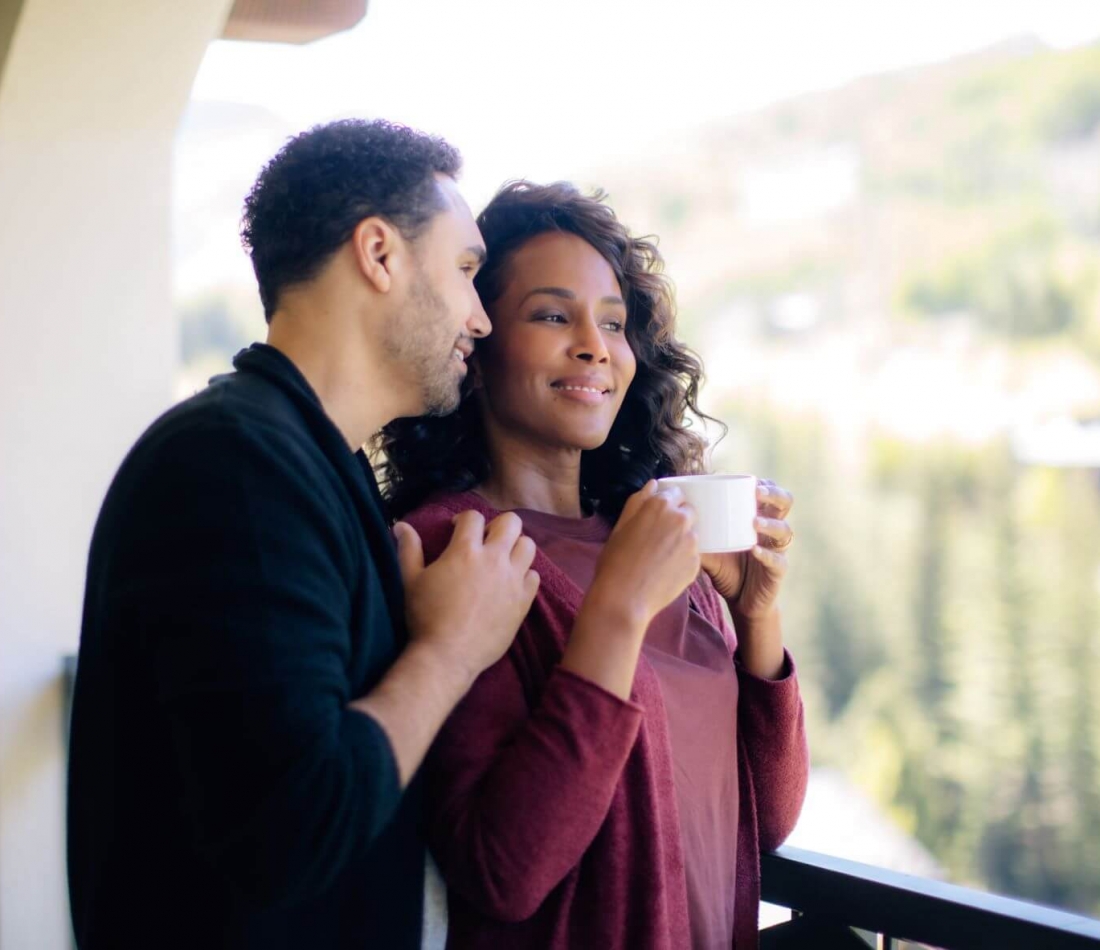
(582, 393)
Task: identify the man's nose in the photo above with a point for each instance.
(478, 324)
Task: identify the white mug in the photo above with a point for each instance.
(725, 506)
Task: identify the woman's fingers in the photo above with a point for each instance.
(774, 561)
(635, 501)
(776, 532)
(773, 499)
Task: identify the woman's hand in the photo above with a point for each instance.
(749, 580)
(649, 560)
(653, 553)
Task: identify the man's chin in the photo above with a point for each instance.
(443, 404)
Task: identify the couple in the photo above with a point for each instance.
(277, 705)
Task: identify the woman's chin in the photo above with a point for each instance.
(585, 441)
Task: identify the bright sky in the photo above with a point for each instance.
(544, 90)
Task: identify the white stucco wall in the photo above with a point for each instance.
(90, 96)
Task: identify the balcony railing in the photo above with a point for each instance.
(843, 905)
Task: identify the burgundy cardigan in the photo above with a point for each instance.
(551, 809)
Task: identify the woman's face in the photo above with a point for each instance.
(557, 365)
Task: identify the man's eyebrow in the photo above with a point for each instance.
(566, 294)
(478, 253)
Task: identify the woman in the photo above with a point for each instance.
(610, 782)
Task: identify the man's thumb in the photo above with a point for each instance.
(410, 551)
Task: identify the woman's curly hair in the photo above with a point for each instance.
(651, 436)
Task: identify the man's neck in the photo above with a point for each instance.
(352, 389)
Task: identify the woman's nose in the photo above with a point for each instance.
(588, 344)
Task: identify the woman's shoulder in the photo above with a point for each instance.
(434, 519)
(443, 506)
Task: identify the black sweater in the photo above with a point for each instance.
(242, 589)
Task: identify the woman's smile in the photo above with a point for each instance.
(587, 390)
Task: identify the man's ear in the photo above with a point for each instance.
(377, 247)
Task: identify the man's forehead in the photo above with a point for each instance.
(457, 210)
(452, 197)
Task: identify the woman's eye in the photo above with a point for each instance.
(550, 317)
(615, 326)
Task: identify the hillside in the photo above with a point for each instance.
(888, 282)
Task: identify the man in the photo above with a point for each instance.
(260, 672)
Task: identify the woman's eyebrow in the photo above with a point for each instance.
(565, 294)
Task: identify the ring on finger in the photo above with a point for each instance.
(784, 544)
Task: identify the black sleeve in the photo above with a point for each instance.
(238, 575)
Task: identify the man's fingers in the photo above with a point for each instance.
(410, 551)
(531, 582)
(523, 552)
(504, 529)
(469, 528)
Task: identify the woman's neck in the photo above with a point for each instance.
(533, 477)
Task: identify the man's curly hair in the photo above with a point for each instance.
(651, 436)
(322, 183)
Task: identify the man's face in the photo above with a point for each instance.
(434, 332)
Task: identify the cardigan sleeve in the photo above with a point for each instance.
(771, 723)
(516, 794)
(239, 577)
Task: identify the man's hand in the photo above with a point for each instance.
(462, 614)
(468, 605)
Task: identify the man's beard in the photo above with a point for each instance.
(421, 342)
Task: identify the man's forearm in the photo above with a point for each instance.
(412, 702)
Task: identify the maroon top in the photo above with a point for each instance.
(694, 667)
(551, 804)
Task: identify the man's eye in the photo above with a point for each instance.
(469, 269)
